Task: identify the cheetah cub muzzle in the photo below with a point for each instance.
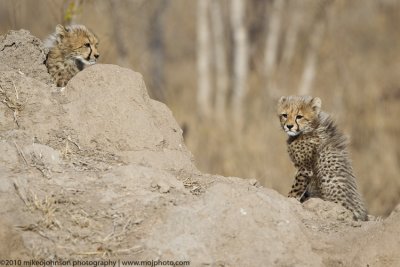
(319, 152)
(71, 49)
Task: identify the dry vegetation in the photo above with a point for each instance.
(357, 79)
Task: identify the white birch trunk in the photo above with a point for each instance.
(240, 63)
(220, 60)
(309, 71)
(292, 33)
(317, 34)
(271, 48)
(122, 52)
(274, 30)
(203, 59)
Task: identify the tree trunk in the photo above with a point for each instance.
(240, 61)
(271, 49)
(203, 59)
(317, 34)
(220, 60)
(157, 50)
(122, 52)
(296, 16)
(311, 59)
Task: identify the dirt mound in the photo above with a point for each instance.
(100, 171)
(119, 117)
(21, 51)
(232, 223)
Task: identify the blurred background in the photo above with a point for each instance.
(221, 66)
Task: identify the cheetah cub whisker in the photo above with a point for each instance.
(319, 152)
(71, 49)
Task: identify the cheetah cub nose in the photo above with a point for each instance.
(96, 56)
(289, 126)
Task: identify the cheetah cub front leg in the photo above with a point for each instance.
(301, 182)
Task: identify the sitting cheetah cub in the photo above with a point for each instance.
(318, 151)
(71, 49)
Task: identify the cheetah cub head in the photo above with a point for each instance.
(74, 43)
(298, 114)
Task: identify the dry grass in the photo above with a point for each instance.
(38, 163)
(78, 226)
(110, 244)
(46, 207)
(12, 101)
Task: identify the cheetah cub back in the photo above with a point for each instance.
(71, 49)
(319, 152)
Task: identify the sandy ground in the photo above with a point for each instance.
(100, 171)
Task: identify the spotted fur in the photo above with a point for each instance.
(71, 49)
(319, 152)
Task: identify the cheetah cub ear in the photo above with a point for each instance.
(60, 32)
(282, 100)
(316, 104)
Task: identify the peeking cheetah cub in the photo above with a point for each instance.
(71, 49)
(318, 151)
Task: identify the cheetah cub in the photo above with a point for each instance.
(318, 151)
(71, 49)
